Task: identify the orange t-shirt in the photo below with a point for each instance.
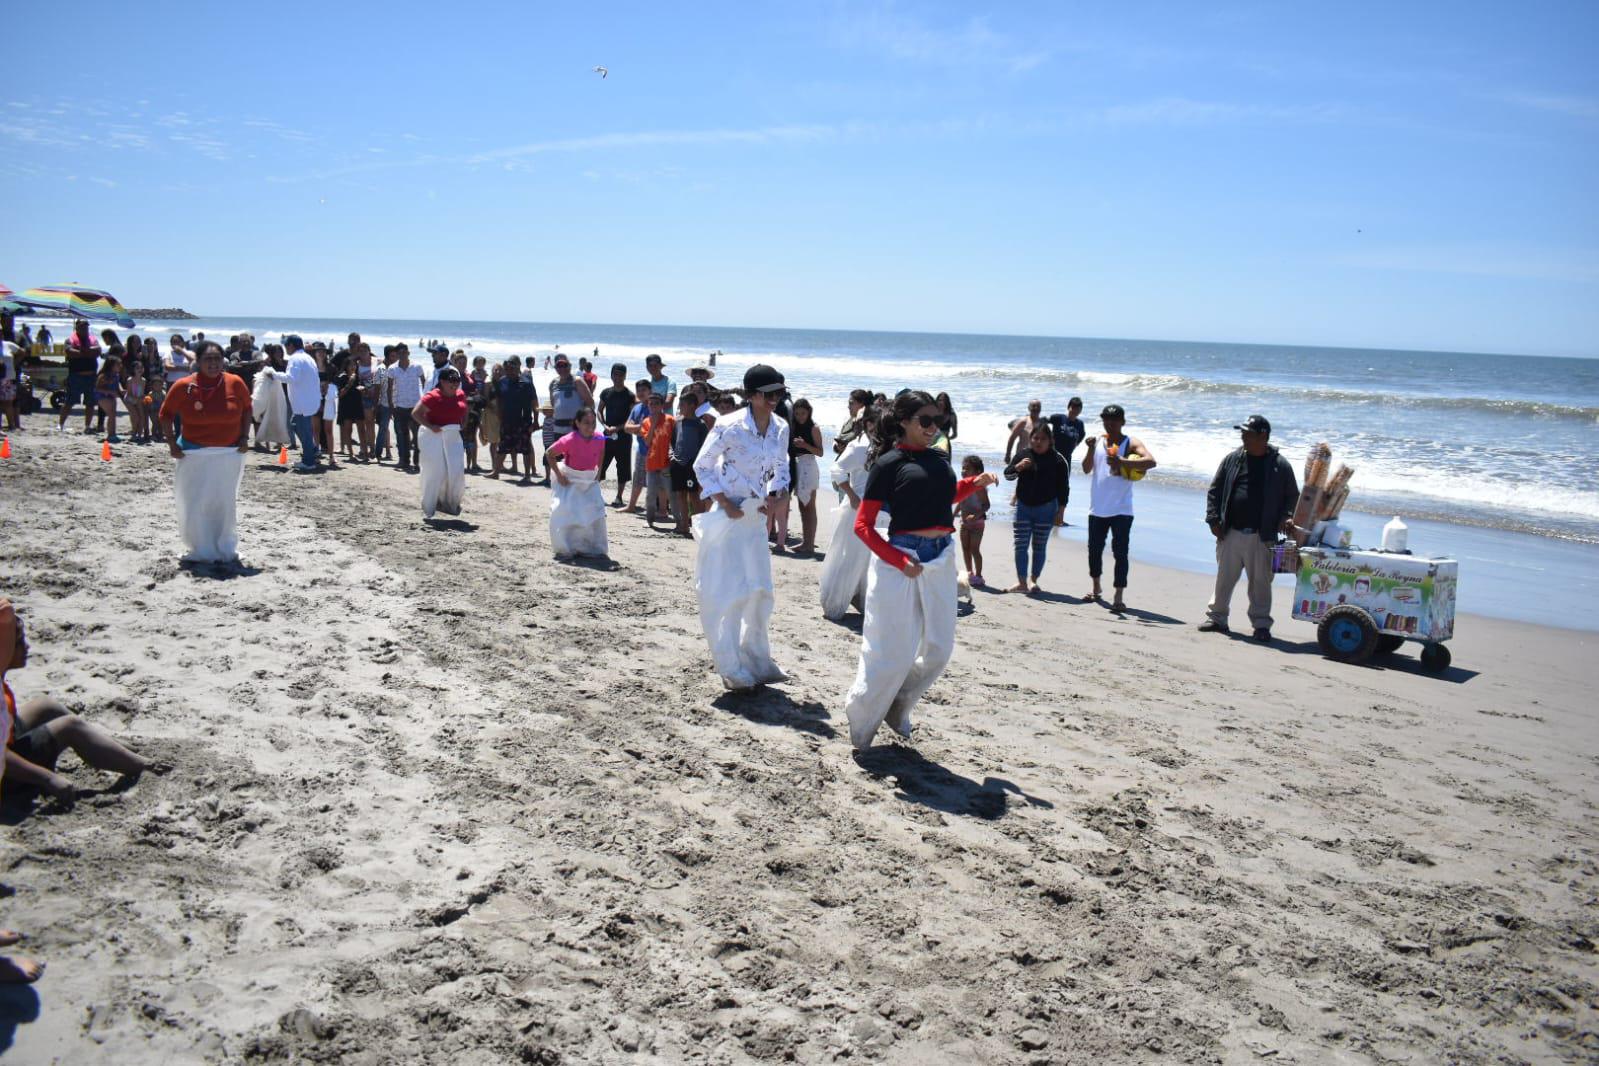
(660, 453)
(212, 414)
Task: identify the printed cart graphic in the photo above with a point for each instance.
(1406, 596)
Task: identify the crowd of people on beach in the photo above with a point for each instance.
(727, 466)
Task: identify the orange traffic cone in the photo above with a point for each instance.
(5, 448)
(283, 455)
(105, 451)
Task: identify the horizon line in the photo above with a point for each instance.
(909, 332)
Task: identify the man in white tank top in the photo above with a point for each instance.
(1114, 461)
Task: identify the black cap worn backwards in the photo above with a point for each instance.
(1113, 410)
(762, 378)
(1255, 424)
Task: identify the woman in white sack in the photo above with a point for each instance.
(743, 469)
(577, 506)
(271, 402)
(844, 570)
(215, 409)
(909, 632)
(439, 415)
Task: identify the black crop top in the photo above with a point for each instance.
(917, 488)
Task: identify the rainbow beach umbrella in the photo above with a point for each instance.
(78, 301)
(7, 304)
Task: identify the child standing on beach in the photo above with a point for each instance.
(133, 396)
(108, 394)
(658, 429)
(687, 441)
(635, 426)
(577, 507)
(974, 516)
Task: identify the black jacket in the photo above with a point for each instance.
(1045, 482)
(1282, 491)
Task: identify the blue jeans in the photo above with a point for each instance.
(1120, 529)
(381, 445)
(301, 425)
(922, 549)
(1032, 528)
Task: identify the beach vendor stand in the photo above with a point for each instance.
(1364, 603)
(1368, 603)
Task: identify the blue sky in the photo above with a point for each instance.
(1380, 175)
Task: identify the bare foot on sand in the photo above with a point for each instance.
(19, 970)
(1020, 586)
(9, 937)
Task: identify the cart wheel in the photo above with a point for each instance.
(1436, 658)
(58, 399)
(1387, 644)
(1347, 633)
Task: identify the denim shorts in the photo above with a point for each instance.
(922, 549)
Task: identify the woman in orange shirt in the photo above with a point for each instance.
(215, 409)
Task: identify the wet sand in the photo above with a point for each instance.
(439, 799)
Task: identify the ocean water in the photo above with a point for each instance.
(1506, 443)
(1509, 442)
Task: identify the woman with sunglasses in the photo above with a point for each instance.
(440, 413)
(215, 412)
(743, 468)
(909, 632)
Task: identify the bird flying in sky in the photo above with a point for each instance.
(601, 71)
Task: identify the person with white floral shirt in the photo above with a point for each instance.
(743, 469)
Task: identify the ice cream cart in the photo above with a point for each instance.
(1368, 603)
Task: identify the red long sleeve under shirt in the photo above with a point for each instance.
(866, 525)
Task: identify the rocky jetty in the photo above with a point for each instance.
(165, 314)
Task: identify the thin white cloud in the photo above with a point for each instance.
(886, 30)
(652, 138)
(1575, 106)
(277, 129)
(1180, 111)
(1482, 260)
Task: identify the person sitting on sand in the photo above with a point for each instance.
(41, 728)
(18, 969)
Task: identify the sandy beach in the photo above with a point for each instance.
(438, 799)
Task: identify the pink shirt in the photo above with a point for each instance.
(581, 453)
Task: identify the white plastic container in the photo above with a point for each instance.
(1396, 536)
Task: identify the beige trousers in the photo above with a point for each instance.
(1242, 552)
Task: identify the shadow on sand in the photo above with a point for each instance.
(920, 780)
(218, 571)
(19, 1005)
(450, 525)
(773, 706)
(1398, 661)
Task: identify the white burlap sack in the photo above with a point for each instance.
(442, 457)
(906, 641)
(577, 515)
(843, 579)
(206, 483)
(733, 576)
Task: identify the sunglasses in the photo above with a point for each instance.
(929, 421)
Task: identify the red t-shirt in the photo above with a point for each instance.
(212, 414)
(445, 410)
(659, 456)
